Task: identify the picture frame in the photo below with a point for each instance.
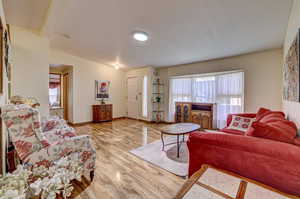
(102, 90)
(291, 72)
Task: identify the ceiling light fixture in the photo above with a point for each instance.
(116, 65)
(140, 36)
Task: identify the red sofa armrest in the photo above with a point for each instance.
(267, 161)
(229, 117)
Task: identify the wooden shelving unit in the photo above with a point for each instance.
(157, 100)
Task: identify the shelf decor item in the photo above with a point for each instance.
(157, 99)
(102, 90)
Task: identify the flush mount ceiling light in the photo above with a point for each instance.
(116, 65)
(140, 36)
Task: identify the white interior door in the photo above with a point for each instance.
(133, 101)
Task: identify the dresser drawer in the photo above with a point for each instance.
(102, 112)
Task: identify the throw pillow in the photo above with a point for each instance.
(271, 116)
(280, 130)
(261, 112)
(241, 123)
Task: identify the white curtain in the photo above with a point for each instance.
(224, 89)
(180, 91)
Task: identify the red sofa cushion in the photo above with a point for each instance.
(271, 116)
(261, 112)
(232, 131)
(297, 141)
(280, 130)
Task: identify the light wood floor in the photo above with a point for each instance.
(119, 174)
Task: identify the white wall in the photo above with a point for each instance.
(140, 73)
(30, 75)
(30, 66)
(292, 109)
(85, 73)
(4, 95)
(263, 79)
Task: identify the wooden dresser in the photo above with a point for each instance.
(198, 113)
(102, 113)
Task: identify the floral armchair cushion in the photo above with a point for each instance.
(56, 129)
(24, 129)
(79, 144)
(34, 146)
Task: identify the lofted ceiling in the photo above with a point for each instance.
(180, 31)
(28, 13)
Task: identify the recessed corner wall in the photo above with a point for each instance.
(85, 72)
(292, 109)
(30, 66)
(30, 75)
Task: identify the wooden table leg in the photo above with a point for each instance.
(190, 182)
(162, 140)
(178, 146)
(242, 190)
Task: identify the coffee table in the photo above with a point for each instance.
(177, 130)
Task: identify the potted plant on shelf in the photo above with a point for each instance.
(158, 98)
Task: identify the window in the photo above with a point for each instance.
(225, 89)
(145, 90)
(55, 90)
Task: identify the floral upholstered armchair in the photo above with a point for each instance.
(43, 144)
(54, 128)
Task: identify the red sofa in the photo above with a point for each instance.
(268, 161)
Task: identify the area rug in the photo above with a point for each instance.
(166, 159)
(228, 185)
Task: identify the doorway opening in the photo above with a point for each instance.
(61, 91)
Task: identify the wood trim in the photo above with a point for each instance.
(149, 122)
(55, 73)
(242, 187)
(119, 118)
(2, 158)
(91, 122)
(65, 95)
(116, 118)
(207, 187)
(80, 123)
(141, 120)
